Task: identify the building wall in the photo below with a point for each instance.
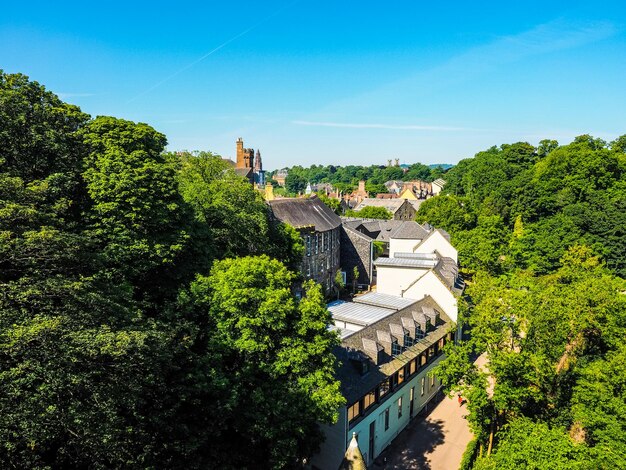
(334, 447)
(402, 245)
(405, 212)
(321, 256)
(393, 280)
(436, 188)
(382, 436)
(431, 285)
(437, 242)
(414, 283)
(356, 250)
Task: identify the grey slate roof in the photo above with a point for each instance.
(409, 231)
(392, 205)
(304, 212)
(380, 230)
(353, 384)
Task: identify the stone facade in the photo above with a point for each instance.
(320, 230)
(356, 250)
(321, 256)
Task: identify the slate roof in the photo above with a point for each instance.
(409, 231)
(304, 212)
(392, 205)
(380, 230)
(245, 172)
(353, 384)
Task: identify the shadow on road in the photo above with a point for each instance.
(410, 450)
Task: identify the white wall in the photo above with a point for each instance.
(393, 280)
(437, 242)
(401, 245)
(430, 284)
(436, 188)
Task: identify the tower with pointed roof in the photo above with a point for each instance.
(353, 459)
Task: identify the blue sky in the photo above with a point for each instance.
(341, 82)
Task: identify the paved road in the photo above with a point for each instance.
(434, 442)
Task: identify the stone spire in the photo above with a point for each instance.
(353, 459)
(258, 165)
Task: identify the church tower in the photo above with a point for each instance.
(258, 165)
(240, 161)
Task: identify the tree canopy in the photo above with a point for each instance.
(540, 234)
(147, 318)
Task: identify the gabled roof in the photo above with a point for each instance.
(305, 212)
(392, 205)
(409, 231)
(379, 229)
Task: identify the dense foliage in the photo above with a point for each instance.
(541, 239)
(370, 212)
(127, 339)
(346, 178)
(517, 206)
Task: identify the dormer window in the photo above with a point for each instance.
(396, 349)
(408, 341)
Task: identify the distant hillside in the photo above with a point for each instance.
(445, 166)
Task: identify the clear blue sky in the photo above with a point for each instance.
(342, 82)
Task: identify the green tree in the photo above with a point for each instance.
(332, 203)
(295, 183)
(232, 219)
(370, 212)
(275, 357)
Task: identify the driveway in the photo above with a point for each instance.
(432, 442)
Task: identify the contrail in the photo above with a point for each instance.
(212, 51)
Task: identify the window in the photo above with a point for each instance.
(413, 367)
(432, 380)
(399, 407)
(369, 399)
(431, 352)
(419, 333)
(308, 245)
(424, 359)
(423, 385)
(386, 419)
(317, 243)
(408, 341)
(395, 348)
(354, 411)
(326, 236)
(383, 388)
(442, 341)
(400, 374)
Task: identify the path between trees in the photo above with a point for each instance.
(434, 442)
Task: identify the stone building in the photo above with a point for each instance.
(320, 229)
(248, 165)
